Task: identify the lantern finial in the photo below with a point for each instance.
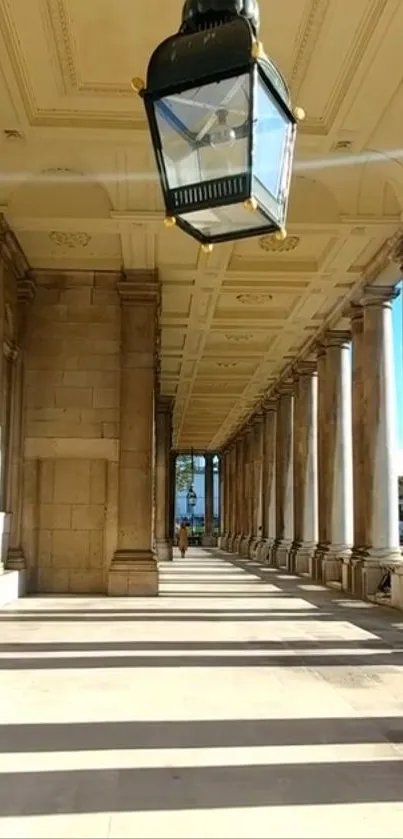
(206, 14)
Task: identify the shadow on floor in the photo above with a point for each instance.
(191, 788)
(194, 734)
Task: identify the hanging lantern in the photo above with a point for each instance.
(221, 125)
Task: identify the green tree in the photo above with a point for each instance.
(184, 471)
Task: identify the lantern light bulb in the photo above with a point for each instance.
(222, 135)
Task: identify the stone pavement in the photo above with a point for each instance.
(238, 704)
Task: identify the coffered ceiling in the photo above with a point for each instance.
(78, 183)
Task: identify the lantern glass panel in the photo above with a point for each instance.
(204, 132)
(273, 135)
(228, 219)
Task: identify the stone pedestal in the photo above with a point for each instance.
(380, 524)
(284, 479)
(133, 571)
(163, 435)
(305, 469)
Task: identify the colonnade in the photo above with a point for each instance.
(310, 483)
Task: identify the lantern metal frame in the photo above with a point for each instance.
(197, 58)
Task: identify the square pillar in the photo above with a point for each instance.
(163, 433)
(133, 570)
(248, 491)
(209, 539)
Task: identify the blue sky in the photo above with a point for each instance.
(398, 345)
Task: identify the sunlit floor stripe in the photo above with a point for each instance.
(319, 821)
(200, 651)
(168, 758)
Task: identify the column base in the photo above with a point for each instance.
(133, 574)
(253, 547)
(281, 552)
(233, 544)
(209, 541)
(303, 558)
(396, 585)
(245, 546)
(373, 567)
(164, 550)
(317, 560)
(333, 561)
(267, 551)
(260, 550)
(223, 541)
(15, 560)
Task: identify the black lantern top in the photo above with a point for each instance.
(204, 14)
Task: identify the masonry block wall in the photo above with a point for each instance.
(72, 381)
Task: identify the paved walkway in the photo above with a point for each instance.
(238, 704)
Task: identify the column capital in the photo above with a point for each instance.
(305, 368)
(285, 389)
(379, 295)
(139, 287)
(26, 289)
(320, 349)
(270, 404)
(397, 253)
(258, 418)
(164, 405)
(355, 312)
(337, 338)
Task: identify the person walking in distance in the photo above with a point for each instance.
(183, 539)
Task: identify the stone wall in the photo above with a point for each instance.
(72, 382)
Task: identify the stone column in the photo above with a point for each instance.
(233, 496)
(352, 576)
(243, 518)
(305, 469)
(221, 500)
(16, 558)
(208, 538)
(381, 485)
(163, 433)
(338, 457)
(224, 500)
(133, 570)
(172, 496)
(284, 478)
(239, 495)
(269, 480)
(322, 462)
(248, 491)
(258, 443)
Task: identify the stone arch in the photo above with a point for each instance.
(60, 192)
(380, 188)
(312, 201)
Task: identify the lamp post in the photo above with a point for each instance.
(221, 124)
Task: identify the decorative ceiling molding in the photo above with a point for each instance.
(272, 245)
(238, 339)
(69, 240)
(254, 299)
